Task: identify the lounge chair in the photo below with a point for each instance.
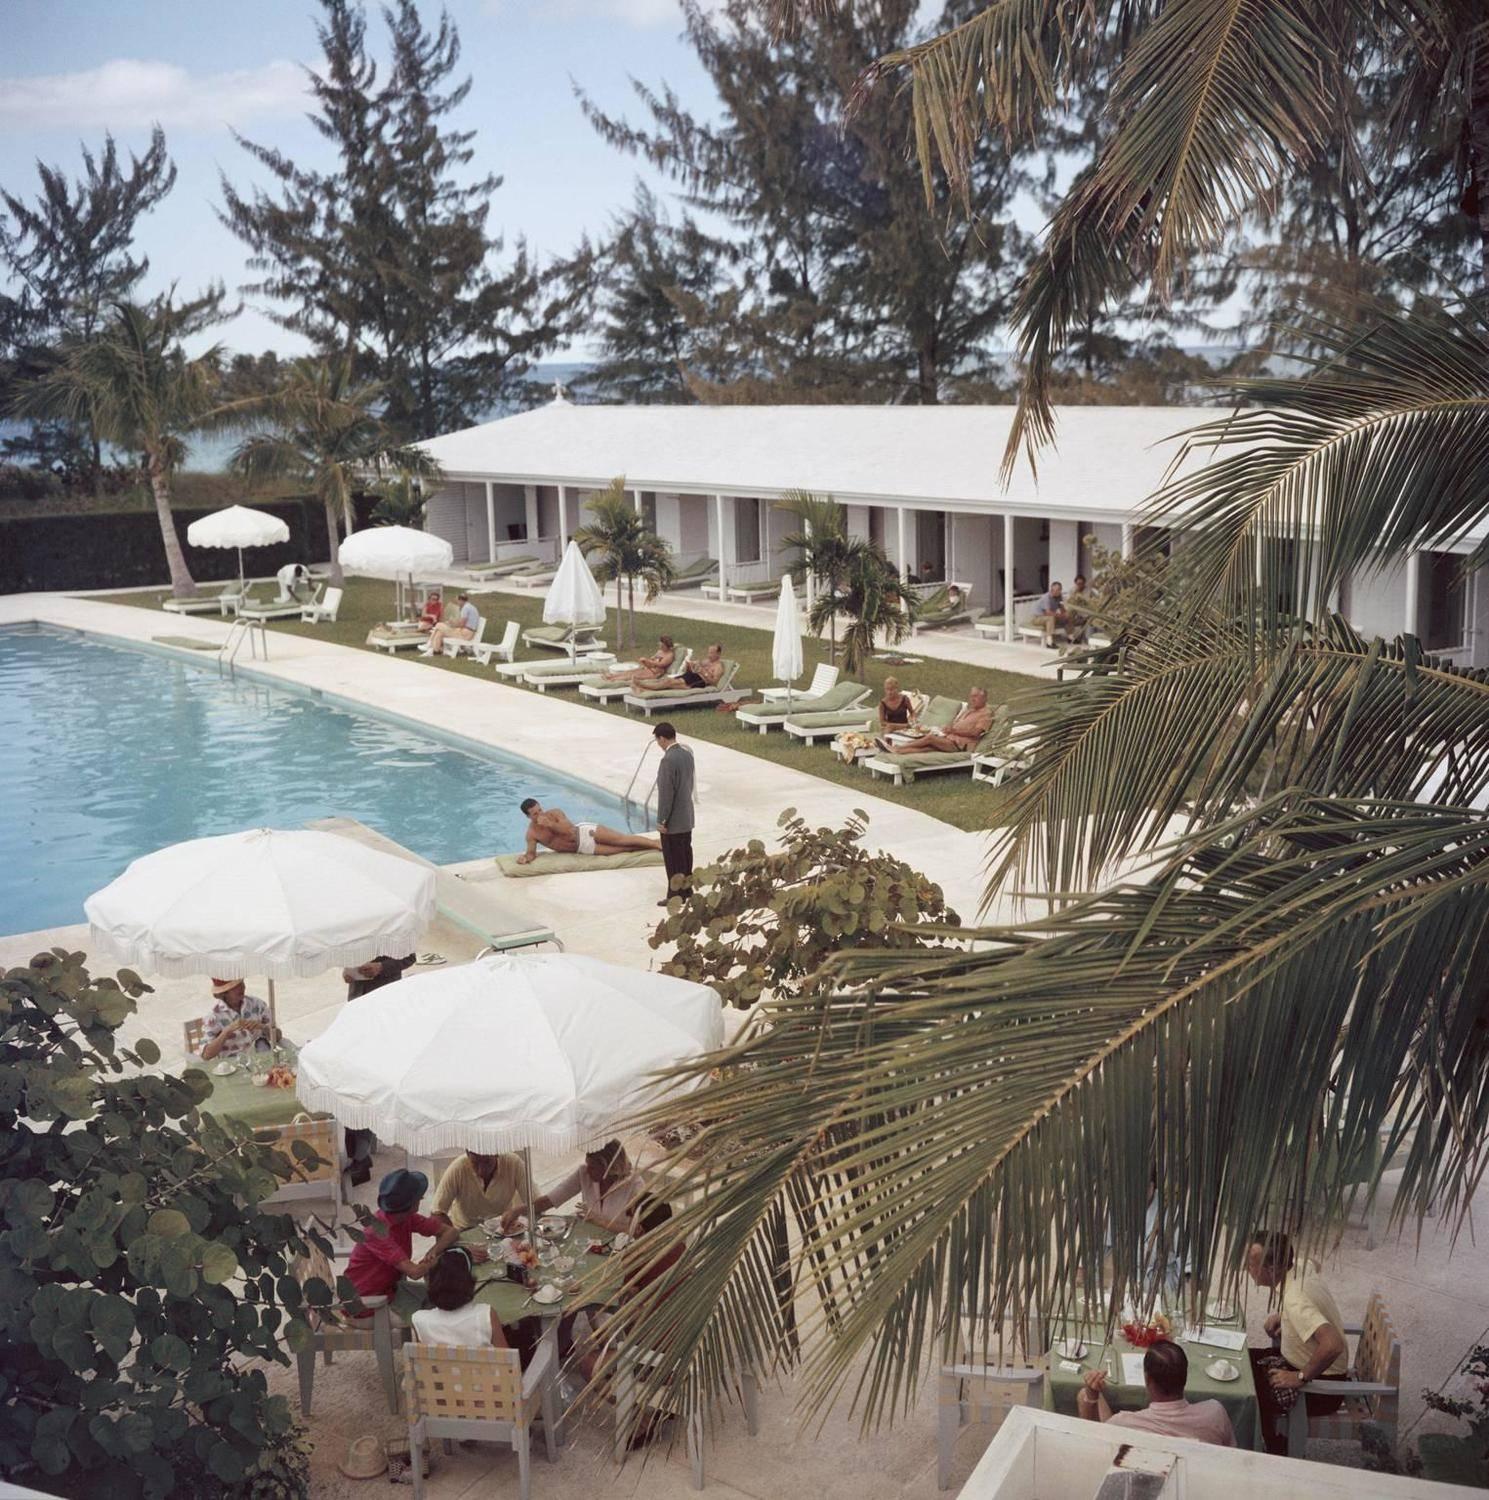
(766, 588)
(811, 727)
(215, 603)
(533, 576)
(695, 574)
(1013, 756)
(902, 769)
(278, 609)
(577, 640)
(937, 612)
(516, 563)
(937, 714)
(842, 695)
(578, 673)
(469, 901)
(454, 647)
(506, 648)
(649, 700)
(823, 678)
(516, 671)
(325, 612)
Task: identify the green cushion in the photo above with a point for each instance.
(939, 712)
(548, 863)
(853, 718)
(839, 695)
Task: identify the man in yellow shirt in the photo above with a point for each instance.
(1310, 1335)
(476, 1187)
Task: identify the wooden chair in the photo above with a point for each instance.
(1372, 1398)
(340, 1334)
(985, 1393)
(481, 1394)
(628, 1396)
(313, 1183)
(191, 1036)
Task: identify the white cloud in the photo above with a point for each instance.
(638, 13)
(131, 94)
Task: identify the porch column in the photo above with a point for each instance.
(490, 521)
(530, 511)
(718, 507)
(1008, 631)
(563, 520)
(636, 501)
(1127, 548)
(809, 578)
(1413, 592)
(903, 560)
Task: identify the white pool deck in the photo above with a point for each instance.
(1438, 1293)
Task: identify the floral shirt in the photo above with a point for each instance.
(223, 1015)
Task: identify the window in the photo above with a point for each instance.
(876, 525)
(1441, 612)
(649, 509)
(746, 530)
(930, 543)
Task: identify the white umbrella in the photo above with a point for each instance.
(511, 1052)
(785, 644)
(396, 553)
(238, 526)
(574, 598)
(268, 901)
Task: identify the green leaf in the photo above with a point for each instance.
(147, 1051)
(171, 1352)
(219, 1264)
(168, 1223)
(114, 1323)
(226, 1463)
(298, 1336)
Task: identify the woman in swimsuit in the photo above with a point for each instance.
(651, 667)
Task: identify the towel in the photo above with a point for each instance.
(548, 863)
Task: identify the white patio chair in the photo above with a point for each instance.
(503, 650)
(983, 1393)
(455, 648)
(823, 679)
(480, 1394)
(323, 613)
(1372, 1397)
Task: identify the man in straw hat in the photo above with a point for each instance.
(236, 1023)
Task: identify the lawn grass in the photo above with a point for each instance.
(951, 796)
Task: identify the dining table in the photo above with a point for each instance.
(1236, 1394)
(238, 1096)
(593, 1278)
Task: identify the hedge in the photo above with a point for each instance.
(121, 549)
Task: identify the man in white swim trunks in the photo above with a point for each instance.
(552, 829)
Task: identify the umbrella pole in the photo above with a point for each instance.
(273, 1018)
(532, 1212)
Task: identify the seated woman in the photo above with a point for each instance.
(434, 612)
(897, 710)
(650, 668)
(609, 1188)
(454, 1316)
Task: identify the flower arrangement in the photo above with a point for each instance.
(1144, 1335)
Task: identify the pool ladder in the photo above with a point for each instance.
(243, 630)
(643, 805)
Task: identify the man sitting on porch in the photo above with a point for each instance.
(1165, 1374)
(552, 828)
(1050, 613)
(962, 733)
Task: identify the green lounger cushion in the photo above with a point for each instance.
(929, 760)
(506, 565)
(548, 863)
(852, 718)
(939, 712)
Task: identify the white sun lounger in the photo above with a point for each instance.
(649, 700)
(586, 666)
(570, 639)
(823, 679)
(506, 648)
(537, 578)
(324, 613)
(278, 609)
(580, 672)
(811, 727)
(204, 604)
(843, 695)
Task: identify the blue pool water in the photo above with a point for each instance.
(107, 753)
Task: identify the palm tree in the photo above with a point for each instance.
(323, 430)
(134, 385)
(961, 1137)
(870, 595)
(627, 549)
(823, 548)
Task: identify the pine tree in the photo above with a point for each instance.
(67, 256)
(848, 285)
(386, 258)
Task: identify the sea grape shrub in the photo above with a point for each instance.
(761, 923)
(141, 1287)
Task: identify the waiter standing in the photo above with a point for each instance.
(362, 980)
(675, 809)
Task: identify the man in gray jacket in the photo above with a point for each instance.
(674, 808)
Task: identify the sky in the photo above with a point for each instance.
(71, 70)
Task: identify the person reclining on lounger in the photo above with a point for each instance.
(697, 674)
(962, 733)
(650, 668)
(551, 828)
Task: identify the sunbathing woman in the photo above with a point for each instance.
(650, 668)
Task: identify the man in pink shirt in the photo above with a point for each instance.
(379, 1259)
(1165, 1373)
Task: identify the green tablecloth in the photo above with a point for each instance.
(596, 1276)
(237, 1095)
(1238, 1397)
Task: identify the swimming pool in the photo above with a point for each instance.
(108, 752)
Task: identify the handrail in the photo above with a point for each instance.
(242, 629)
(645, 803)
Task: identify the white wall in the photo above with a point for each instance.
(858, 520)
(1065, 539)
(1374, 601)
(444, 516)
(971, 550)
(778, 525)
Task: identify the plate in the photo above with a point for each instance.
(620, 1241)
(548, 1294)
(224, 1068)
(1222, 1369)
(1221, 1311)
(1071, 1348)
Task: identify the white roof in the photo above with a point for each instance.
(1106, 460)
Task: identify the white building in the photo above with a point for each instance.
(923, 481)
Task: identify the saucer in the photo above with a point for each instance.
(548, 1295)
(1222, 1369)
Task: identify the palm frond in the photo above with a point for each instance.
(1381, 449)
(958, 1136)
